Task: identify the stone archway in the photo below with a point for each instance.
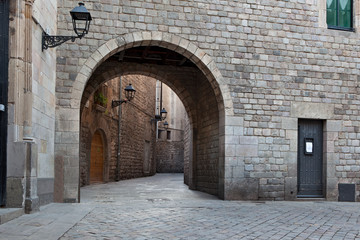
(67, 163)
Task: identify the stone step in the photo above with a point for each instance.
(8, 214)
(304, 199)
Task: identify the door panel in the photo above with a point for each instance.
(310, 158)
(4, 59)
(96, 159)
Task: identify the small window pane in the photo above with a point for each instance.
(345, 19)
(331, 18)
(344, 5)
(331, 4)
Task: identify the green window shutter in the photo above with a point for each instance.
(331, 15)
(339, 14)
(345, 13)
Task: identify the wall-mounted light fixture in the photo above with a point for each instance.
(161, 116)
(81, 19)
(129, 95)
(166, 125)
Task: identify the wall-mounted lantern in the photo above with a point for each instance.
(166, 125)
(129, 95)
(81, 19)
(160, 117)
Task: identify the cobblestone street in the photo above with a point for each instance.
(161, 207)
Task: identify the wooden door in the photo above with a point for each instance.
(4, 60)
(310, 158)
(97, 159)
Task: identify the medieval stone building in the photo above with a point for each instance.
(270, 88)
(146, 145)
(169, 152)
(101, 160)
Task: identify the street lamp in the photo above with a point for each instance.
(161, 116)
(81, 19)
(129, 94)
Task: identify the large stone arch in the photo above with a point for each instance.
(67, 118)
(161, 73)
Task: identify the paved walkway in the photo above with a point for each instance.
(161, 207)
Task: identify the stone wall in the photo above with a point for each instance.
(43, 89)
(31, 105)
(187, 153)
(136, 130)
(170, 152)
(207, 141)
(170, 141)
(268, 64)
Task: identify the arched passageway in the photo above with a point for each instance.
(194, 78)
(200, 103)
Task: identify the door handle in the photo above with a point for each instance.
(2, 108)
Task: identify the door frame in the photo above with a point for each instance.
(323, 159)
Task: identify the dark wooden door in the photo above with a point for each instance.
(96, 159)
(4, 60)
(310, 158)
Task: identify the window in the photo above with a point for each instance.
(339, 14)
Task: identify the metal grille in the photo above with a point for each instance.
(4, 59)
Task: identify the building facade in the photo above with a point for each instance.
(170, 143)
(271, 90)
(101, 159)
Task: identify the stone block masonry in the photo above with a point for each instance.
(135, 120)
(267, 63)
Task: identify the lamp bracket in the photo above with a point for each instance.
(156, 119)
(116, 103)
(49, 41)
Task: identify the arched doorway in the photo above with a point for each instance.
(199, 86)
(96, 159)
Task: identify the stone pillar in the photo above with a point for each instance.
(22, 151)
(290, 125)
(28, 71)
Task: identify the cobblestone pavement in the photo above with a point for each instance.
(161, 207)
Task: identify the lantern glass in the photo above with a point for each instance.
(81, 19)
(166, 125)
(129, 92)
(163, 114)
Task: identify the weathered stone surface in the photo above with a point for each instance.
(136, 130)
(260, 68)
(243, 188)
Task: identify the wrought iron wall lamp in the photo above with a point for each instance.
(81, 19)
(166, 125)
(129, 94)
(160, 117)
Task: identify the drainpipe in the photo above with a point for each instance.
(157, 122)
(119, 136)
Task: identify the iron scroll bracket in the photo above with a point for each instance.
(49, 41)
